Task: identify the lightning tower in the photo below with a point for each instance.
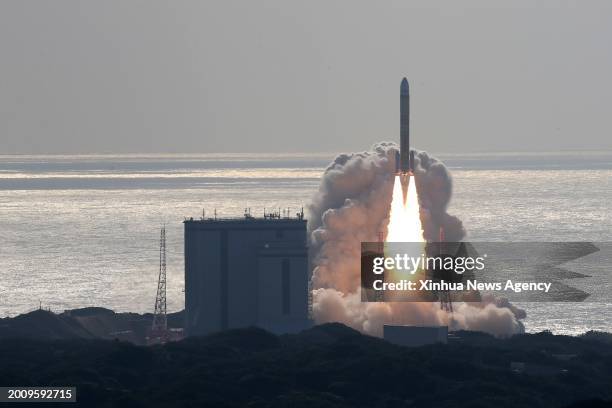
(160, 320)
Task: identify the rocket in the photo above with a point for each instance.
(404, 159)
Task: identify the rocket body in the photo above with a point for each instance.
(405, 162)
(404, 158)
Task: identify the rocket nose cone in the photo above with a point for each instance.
(404, 87)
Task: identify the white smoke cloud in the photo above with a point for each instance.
(352, 206)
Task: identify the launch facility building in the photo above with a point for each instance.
(246, 272)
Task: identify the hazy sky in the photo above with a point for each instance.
(310, 76)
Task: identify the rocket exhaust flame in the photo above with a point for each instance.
(404, 227)
(405, 216)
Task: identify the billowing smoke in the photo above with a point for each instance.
(352, 206)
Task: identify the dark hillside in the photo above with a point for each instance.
(326, 366)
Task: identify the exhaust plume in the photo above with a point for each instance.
(352, 206)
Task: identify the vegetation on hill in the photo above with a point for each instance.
(327, 366)
(85, 323)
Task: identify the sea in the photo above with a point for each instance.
(83, 230)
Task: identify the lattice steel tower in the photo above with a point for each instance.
(160, 321)
(446, 301)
